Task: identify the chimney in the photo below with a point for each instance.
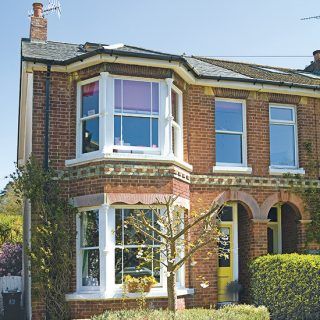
(38, 26)
(316, 55)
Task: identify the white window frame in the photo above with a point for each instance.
(106, 124)
(161, 271)
(278, 224)
(177, 125)
(147, 150)
(285, 123)
(79, 262)
(80, 119)
(107, 244)
(243, 136)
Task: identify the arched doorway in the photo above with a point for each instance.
(235, 224)
(283, 228)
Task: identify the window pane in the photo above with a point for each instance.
(224, 247)
(89, 234)
(228, 116)
(131, 237)
(273, 214)
(90, 268)
(117, 95)
(228, 148)
(90, 99)
(131, 264)
(154, 133)
(90, 135)
(117, 130)
(281, 114)
(226, 214)
(282, 145)
(119, 226)
(174, 103)
(155, 98)
(136, 131)
(136, 97)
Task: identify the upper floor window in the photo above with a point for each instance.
(129, 115)
(230, 133)
(89, 117)
(283, 137)
(136, 113)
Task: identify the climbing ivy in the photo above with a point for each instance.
(52, 236)
(309, 191)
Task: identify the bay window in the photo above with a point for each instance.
(283, 137)
(136, 116)
(230, 133)
(109, 248)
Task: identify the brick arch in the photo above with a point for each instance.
(285, 197)
(246, 199)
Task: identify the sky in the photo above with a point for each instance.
(227, 29)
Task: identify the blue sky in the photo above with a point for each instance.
(199, 27)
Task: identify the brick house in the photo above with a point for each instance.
(208, 129)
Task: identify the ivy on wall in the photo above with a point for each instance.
(52, 236)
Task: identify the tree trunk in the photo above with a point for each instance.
(172, 292)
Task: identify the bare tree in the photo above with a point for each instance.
(170, 229)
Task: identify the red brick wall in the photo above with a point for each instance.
(199, 151)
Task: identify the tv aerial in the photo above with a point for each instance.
(51, 7)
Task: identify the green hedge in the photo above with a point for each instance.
(288, 285)
(238, 312)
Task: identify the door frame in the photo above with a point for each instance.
(235, 249)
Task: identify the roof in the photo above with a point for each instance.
(59, 53)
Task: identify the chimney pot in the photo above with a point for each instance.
(37, 10)
(316, 55)
(38, 25)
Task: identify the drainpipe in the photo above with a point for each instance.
(47, 120)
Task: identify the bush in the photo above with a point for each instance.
(234, 312)
(10, 259)
(288, 285)
(10, 228)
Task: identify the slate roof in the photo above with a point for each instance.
(202, 67)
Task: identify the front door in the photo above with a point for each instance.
(228, 251)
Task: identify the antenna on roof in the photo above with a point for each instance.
(310, 18)
(52, 6)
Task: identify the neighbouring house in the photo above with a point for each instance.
(129, 125)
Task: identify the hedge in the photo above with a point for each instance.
(236, 312)
(287, 284)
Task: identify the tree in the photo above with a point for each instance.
(10, 201)
(170, 229)
(10, 215)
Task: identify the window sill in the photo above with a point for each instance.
(118, 294)
(87, 158)
(281, 171)
(226, 169)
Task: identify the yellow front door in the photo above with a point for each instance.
(227, 254)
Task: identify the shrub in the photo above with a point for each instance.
(233, 312)
(288, 285)
(10, 228)
(10, 259)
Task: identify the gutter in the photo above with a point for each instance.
(47, 119)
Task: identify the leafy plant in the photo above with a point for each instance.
(233, 312)
(51, 235)
(10, 259)
(140, 284)
(288, 285)
(10, 228)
